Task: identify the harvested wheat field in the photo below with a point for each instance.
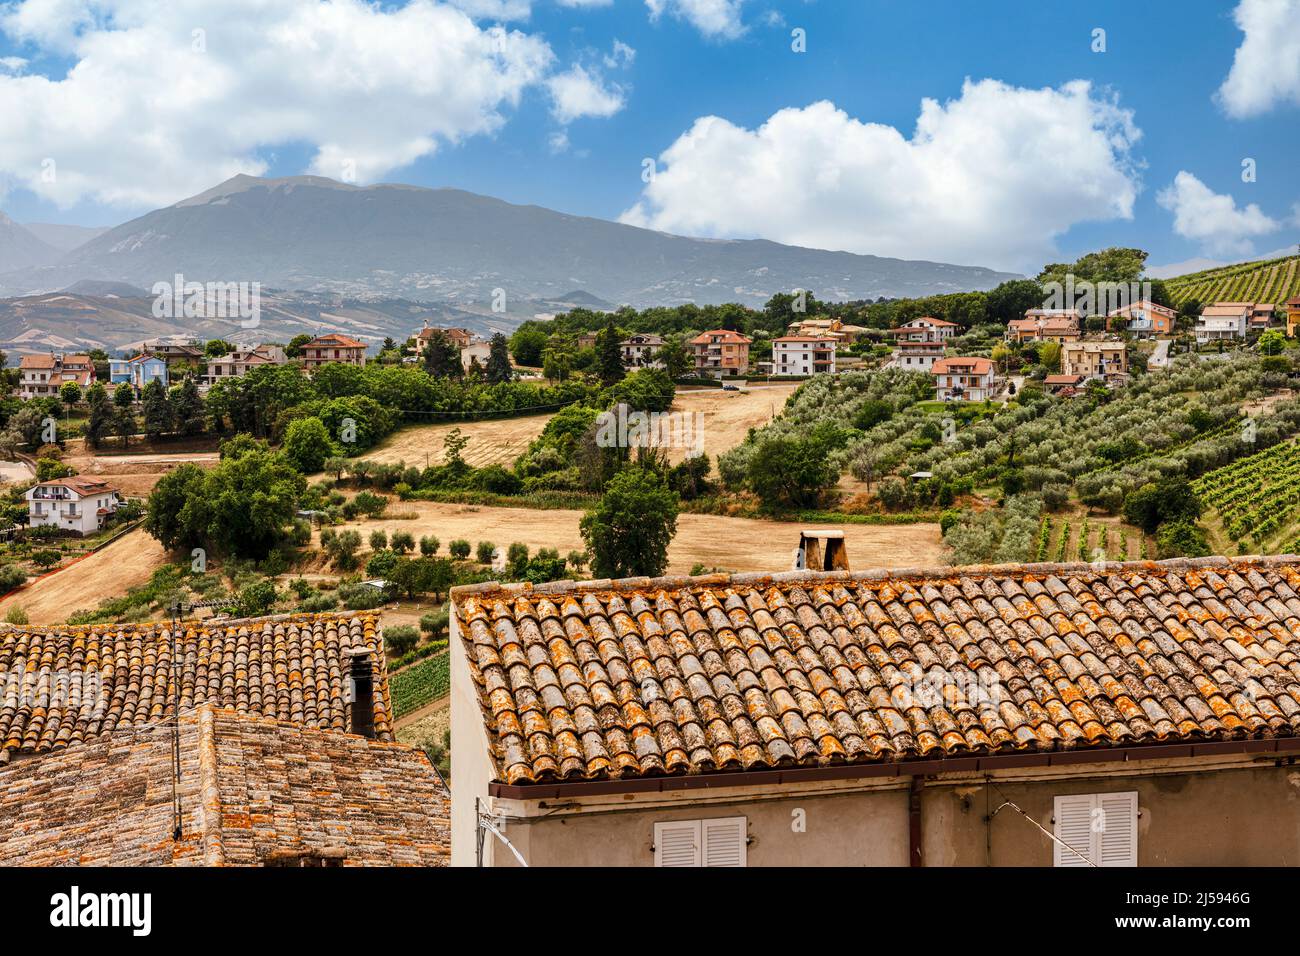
(135, 474)
(728, 544)
(495, 441)
(728, 417)
(109, 572)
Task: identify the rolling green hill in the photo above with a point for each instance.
(1270, 280)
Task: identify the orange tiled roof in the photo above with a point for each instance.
(334, 340)
(250, 789)
(83, 485)
(110, 676)
(975, 366)
(37, 361)
(749, 672)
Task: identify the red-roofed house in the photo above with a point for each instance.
(721, 352)
(964, 379)
(333, 348)
(80, 503)
(41, 376)
(926, 329)
(1142, 319)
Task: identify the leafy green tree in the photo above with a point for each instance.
(307, 444)
(792, 472)
(609, 356)
(674, 357)
(1272, 342)
(257, 598)
(215, 348)
(243, 507)
(158, 414)
(187, 407)
(1115, 264)
(442, 357)
(498, 364)
(1011, 299)
(527, 345)
(70, 393)
(100, 422)
(628, 533)
(294, 348)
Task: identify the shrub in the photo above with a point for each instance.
(360, 597)
(378, 540)
(484, 552)
(429, 545)
(318, 603)
(401, 639)
(403, 542)
(369, 503)
(435, 623)
(459, 549)
(257, 598)
(16, 615)
(46, 558)
(381, 564)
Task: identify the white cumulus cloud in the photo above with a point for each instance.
(164, 98)
(1213, 219)
(718, 19)
(992, 177)
(578, 92)
(1266, 68)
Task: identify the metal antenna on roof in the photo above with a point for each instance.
(1047, 833)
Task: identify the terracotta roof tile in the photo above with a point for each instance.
(65, 685)
(250, 790)
(676, 675)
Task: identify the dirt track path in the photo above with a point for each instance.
(109, 572)
(729, 544)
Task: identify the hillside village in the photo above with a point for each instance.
(394, 486)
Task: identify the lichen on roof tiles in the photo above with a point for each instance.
(251, 790)
(64, 685)
(599, 680)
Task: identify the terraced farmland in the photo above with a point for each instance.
(1256, 500)
(1271, 280)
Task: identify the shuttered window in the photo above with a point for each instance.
(1096, 827)
(714, 842)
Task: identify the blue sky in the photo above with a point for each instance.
(875, 62)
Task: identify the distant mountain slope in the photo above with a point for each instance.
(20, 249)
(315, 234)
(1269, 280)
(67, 320)
(64, 238)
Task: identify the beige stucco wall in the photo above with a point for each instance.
(1231, 812)
(471, 768)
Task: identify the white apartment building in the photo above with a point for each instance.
(964, 379)
(803, 355)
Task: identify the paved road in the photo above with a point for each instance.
(1160, 357)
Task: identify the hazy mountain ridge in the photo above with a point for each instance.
(20, 248)
(314, 234)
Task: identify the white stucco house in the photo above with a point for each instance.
(80, 503)
(803, 355)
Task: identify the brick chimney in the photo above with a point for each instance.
(360, 689)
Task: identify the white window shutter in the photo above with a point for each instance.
(1101, 826)
(1118, 837)
(725, 841)
(678, 843)
(1073, 827)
